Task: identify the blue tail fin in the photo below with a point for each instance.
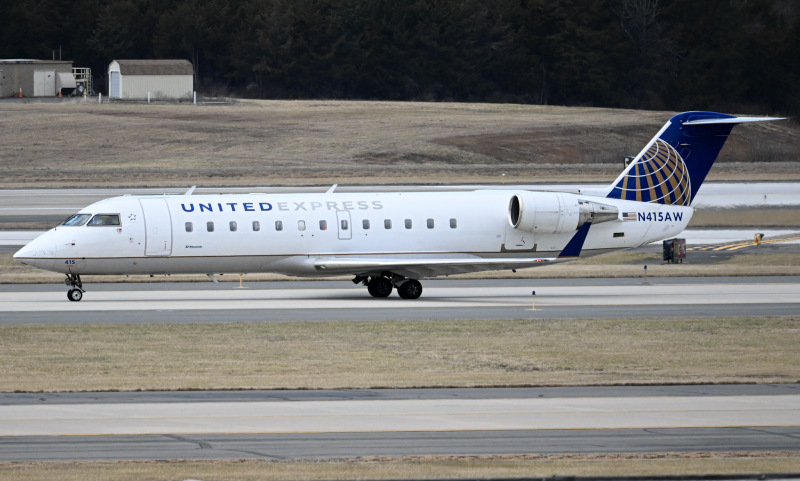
(674, 164)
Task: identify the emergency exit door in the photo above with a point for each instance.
(343, 223)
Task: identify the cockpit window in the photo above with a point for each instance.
(104, 219)
(77, 219)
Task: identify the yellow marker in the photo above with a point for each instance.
(533, 300)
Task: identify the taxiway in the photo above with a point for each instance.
(442, 299)
(347, 423)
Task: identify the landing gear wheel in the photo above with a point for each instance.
(76, 292)
(379, 287)
(410, 289)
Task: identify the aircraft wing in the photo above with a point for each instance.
(420, 267)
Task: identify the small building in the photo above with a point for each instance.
(161, 79)
(35, 78)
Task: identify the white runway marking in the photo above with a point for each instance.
(400, 415)
(232, 298)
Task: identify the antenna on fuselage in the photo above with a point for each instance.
(191, 189)
(333, 187)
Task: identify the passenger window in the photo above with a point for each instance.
(323, 225)
(278, 225)
(430, 223)
(301, 225)
(345, 224)
(189, 227)
(256, 226)
(232, 225)
(453, 223)
(387, 223)
(77, 219)
(104, 219)
(408, 223)
(365, 224)
(210, 226)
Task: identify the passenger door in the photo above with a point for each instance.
(157, 226)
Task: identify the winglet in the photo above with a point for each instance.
(575, 245)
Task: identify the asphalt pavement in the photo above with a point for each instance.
(414, 422)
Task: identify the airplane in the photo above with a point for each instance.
(389, 240)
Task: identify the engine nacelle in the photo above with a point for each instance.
(555, 212)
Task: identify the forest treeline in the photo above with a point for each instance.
(734, 55)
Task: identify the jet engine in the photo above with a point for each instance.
(555, 213)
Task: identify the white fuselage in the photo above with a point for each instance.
(288, 233)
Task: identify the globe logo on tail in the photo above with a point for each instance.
(659, 176)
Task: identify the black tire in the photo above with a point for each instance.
(379, 287)
(75, 295)
(410, 289)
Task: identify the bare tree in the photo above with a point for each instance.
(637, 18)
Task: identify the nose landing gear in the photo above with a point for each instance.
(74, 281)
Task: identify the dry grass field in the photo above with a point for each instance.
(76, 143)
(427, 467)
(533, 351)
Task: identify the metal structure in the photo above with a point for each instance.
(83, 81)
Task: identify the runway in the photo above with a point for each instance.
(326, 424)
(442, 299)
(400, 416)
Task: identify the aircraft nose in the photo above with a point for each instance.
(40, 252)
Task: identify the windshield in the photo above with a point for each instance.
(104, 219)
(77, 219)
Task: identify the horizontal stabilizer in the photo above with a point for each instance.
(732, 120)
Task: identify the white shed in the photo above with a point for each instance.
(162, 79)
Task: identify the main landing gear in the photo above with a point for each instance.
(74, 281)
(382, 285)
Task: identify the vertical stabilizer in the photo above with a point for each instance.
(671, 168)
